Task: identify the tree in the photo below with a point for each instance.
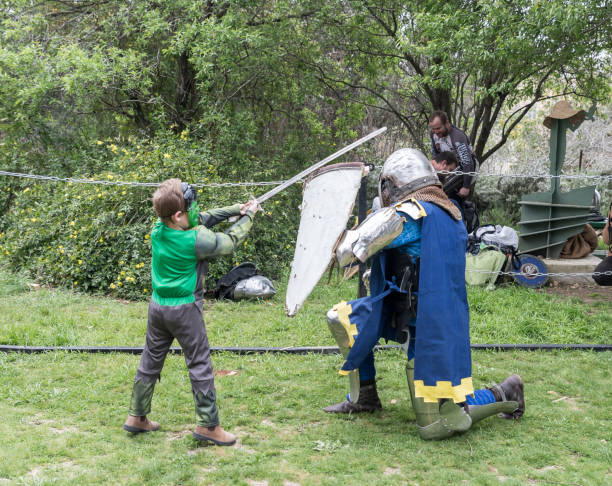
(475, 60)
(278, 78)
(76, 71)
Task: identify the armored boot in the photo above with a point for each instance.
(140, 405)
(368, 401)
(436, 420)
(511, 390)
(362, 396)
(509, 401)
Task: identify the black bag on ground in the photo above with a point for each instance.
(604, 266)
(226, 284)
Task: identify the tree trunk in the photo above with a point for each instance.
(186, 96)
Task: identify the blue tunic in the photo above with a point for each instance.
(441, 346)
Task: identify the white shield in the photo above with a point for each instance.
(327, 203)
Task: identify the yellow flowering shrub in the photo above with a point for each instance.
(97, 237)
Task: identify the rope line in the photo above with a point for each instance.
(131, 183)
(525, 175)
(275, 183)
(602, 179)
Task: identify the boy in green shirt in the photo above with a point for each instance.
(182, 244)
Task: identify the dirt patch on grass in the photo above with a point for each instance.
(226, 373)
(38, 420)
(241, 447)
(392, 471)
(570, 401)
(170, 436)
(549, 468)
(72, 430)
(589, 294)
(41, 473)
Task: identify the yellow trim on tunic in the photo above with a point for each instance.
(444, 389)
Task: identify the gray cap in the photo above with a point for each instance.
(405, 171)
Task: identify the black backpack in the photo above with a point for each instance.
(226, 284)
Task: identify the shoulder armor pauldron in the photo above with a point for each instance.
(412, 208)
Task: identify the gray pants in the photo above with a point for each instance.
(186, 324)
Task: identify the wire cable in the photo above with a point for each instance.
(113, 182)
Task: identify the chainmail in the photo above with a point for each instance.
(436, 195)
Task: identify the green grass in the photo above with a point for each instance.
(505, 315)
(62, 412)
(11, 284)
(62, 416)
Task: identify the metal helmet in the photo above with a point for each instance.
(405, 171)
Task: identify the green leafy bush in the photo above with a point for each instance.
(96, 238)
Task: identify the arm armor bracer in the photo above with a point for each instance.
(377, 231)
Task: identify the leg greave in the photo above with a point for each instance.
(342, 337)
(436, 421)
(479, 412)
(207, 414)
(142, 394)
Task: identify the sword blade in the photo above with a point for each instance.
(321, 163)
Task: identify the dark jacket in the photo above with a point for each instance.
(463, 150)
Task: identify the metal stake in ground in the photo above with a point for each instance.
(321, 163)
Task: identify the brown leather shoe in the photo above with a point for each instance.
(138, 425)
(216, 435)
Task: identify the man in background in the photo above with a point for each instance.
(442, 163)
(448, 138)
